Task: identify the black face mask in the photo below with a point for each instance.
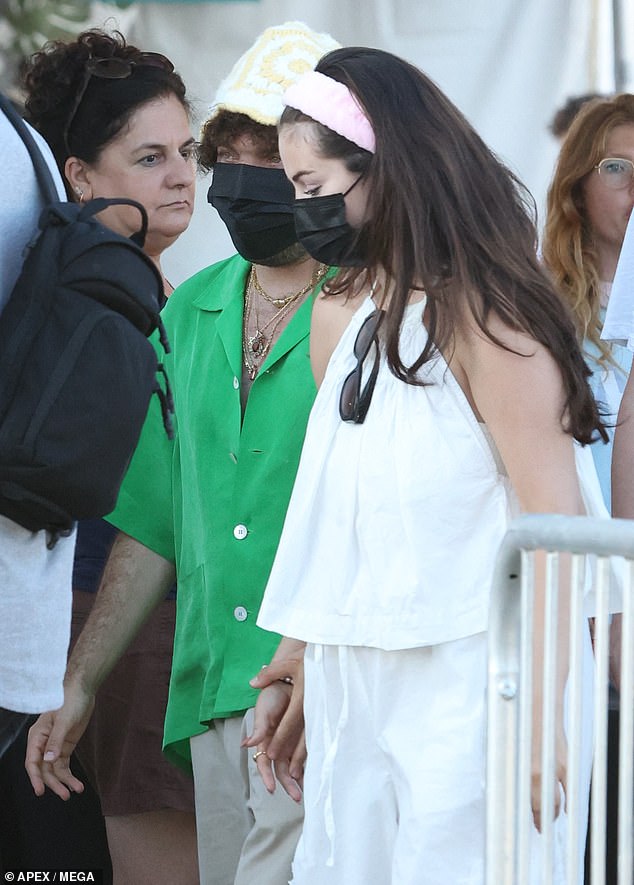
(322, 229)
(256, 204)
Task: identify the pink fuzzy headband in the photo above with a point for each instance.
(331, 103)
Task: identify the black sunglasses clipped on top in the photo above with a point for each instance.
(112, 69)
(355, 395)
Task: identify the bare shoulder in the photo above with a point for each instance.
(474, 346)
(331, 316)
(510, 369)
(515, 386)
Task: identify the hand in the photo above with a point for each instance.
(560, 777)
(52, 739)
(278, 731)
(270, 709)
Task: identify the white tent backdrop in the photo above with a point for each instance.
(508, 64)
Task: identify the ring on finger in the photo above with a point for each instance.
(257, 755)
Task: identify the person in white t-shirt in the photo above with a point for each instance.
(35, 582)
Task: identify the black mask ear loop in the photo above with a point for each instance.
(354, 184)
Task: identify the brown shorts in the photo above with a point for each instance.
(121, 748)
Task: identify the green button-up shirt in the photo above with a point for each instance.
(213, 501)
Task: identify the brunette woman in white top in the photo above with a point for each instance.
(452, 393)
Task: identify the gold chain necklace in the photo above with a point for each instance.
(318, 274)
(256, 347)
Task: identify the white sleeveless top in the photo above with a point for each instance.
(393, 526)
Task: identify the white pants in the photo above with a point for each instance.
(245, 834)
(394, 789)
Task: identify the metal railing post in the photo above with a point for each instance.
(610, 545)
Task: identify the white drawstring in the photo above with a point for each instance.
(331, 741)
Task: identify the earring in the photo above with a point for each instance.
(79, 193)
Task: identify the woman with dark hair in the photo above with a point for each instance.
(85, 98)
(452, 394)
(117, 120)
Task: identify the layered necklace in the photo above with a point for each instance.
(255, 347)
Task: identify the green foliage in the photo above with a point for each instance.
(26, 25)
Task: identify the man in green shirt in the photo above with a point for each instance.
(209, 506)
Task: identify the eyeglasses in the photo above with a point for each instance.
(616, 172)
(355, 396)
(112, 69)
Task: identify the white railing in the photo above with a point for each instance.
(576, 550)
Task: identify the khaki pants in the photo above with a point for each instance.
(246, 835)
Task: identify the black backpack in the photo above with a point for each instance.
(76, 369)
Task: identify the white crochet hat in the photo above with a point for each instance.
(260, 77)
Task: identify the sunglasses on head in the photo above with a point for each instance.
(112, 69)
(356, 395)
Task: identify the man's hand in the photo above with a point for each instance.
(134, 582)
(52, 739)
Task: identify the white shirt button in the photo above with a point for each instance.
(236, 383)
(240, 532)
(240, 613)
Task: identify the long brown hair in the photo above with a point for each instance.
(445, 214)
(568, 248)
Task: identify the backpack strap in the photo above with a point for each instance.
(98, 204)
(42, 172)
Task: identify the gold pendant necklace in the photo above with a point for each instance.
(256, 341)
(255, 347)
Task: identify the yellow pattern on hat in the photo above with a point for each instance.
(259, 78)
